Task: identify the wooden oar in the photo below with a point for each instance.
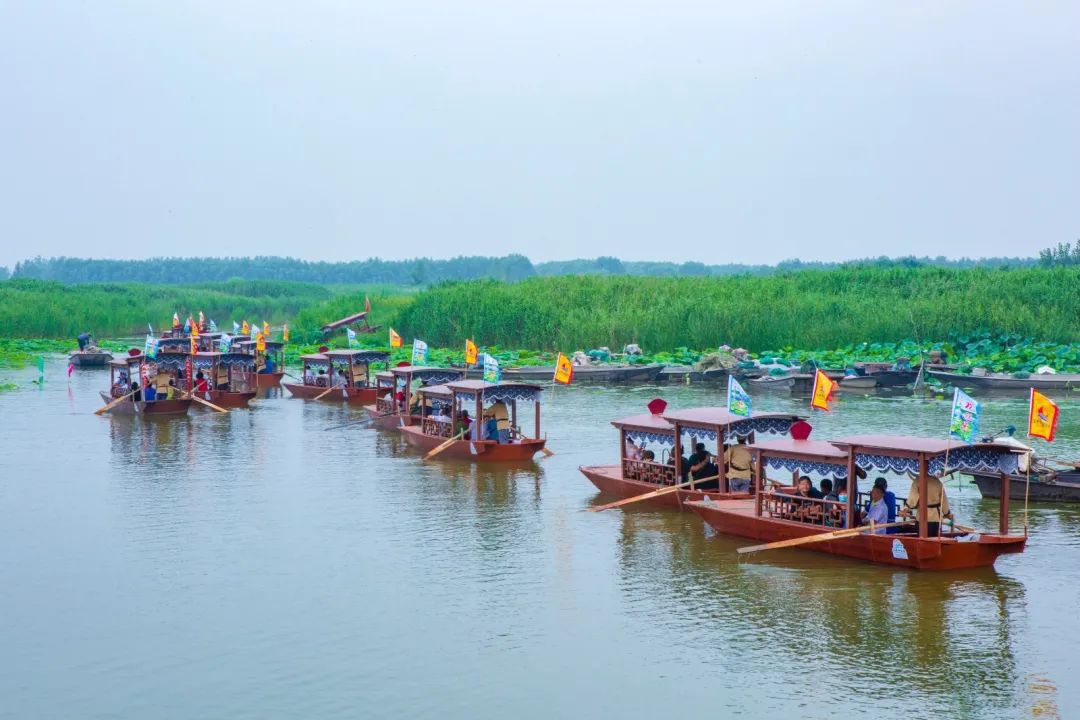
(821, 537)
(1066, 463)
(445, 445)
(359, 422)
(649, 495)
(208, 404)
(114, 403)
(325, 392)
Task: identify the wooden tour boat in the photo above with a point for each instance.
(774, 515)
(90, 357)
(1059, 487)
(348, 372)
(136, 368)
(1006, 382)
(394, 393)
(632, 476)
(269, 364)
(441, 407)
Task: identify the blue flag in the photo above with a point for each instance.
(235, 328)
(225, 344)
(964, 424)
(738, 402)
(213, 326)
(150, 349)
(419, 352)
(492, 372)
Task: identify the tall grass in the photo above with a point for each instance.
(45, 309)
(807, 309)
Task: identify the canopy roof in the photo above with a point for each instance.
(440, 391)
(719, 417)
(912, 444)
(494, 392)
(645, 421)
(820, 449)
(270, 344)
(315, 357)
(422, 372)
(358, 356)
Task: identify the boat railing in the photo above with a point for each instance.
(438, 428)
(648, 471)
(786, 505)
(385, 406)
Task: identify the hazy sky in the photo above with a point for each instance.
(750, 131)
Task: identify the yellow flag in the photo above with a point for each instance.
(194, 330)
(285, 332)
(470, 352)
(194, 344)
(564, 370)
(824, 387)
(1042, 416)
(175, 320)
(245, 328)
(260, 342)
(266, 328)
(395, 339)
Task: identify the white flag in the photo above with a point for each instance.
(352, 336)
(419, 352)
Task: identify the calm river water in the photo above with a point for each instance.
(270, 563)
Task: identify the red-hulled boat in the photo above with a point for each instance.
(269, 363)
(134, 373)
(394, 401)
(635, 476)
(443, 408)
(773, 515)
(348, 372)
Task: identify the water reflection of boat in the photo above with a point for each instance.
(638, 475)
(777, 514)
(454, 400)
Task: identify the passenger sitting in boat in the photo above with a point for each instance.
(889, 497)
(702, 466)
(648, 456)
(171, 391)
(150, 393)
(937, 505)
(201, 386)
(633, 452)
(740, 466)
(876, 511)
(800, 506)
(463, 424)
(684, 467)
(320, 380)
(827, 490)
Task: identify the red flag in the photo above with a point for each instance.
(71, 367)
(367, 304)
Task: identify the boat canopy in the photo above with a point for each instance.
(802, 456)
(358, 357)
(901, 454)
(493, 392)
(647, 427)
(435, 375)
(708, 421)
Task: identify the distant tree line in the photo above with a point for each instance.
(426, 271)
(1063, 254)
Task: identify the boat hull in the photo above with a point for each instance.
(264, 380)
(231, 399)
(157, 408)
(609, 480)
(360, 396)
(88, 359)
(997, 382)
(386, 422)
(312, 392)
(483, 451)
(945, 553)
(1066, 488)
